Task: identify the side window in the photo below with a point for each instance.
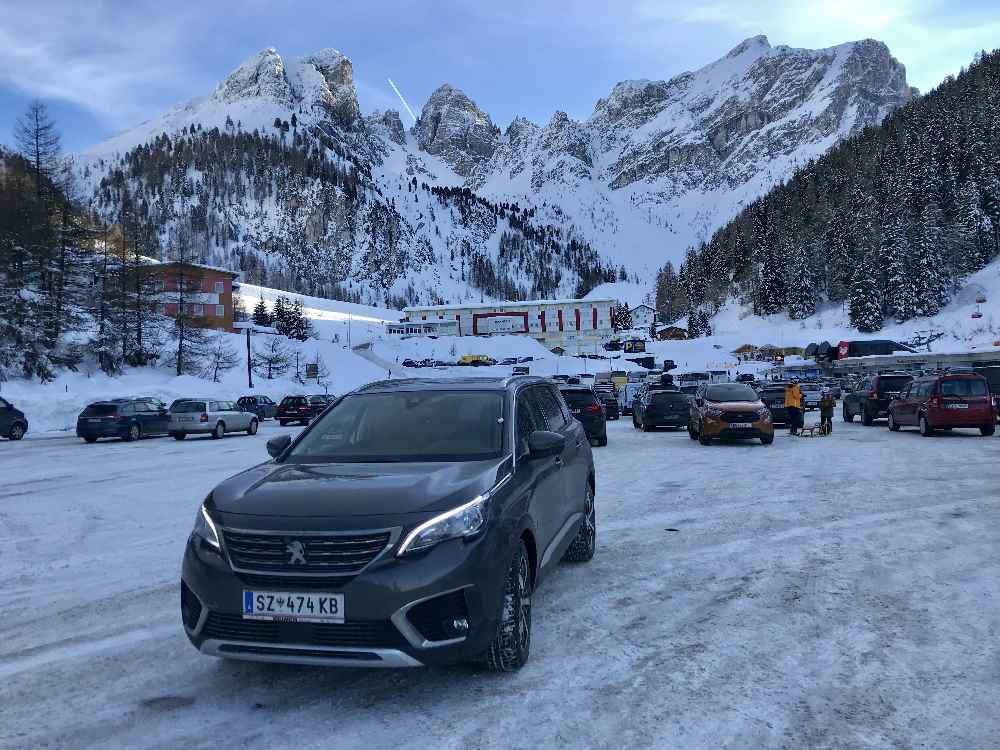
(127, 410)
(3, 404)
(528, 419)
(549, 402)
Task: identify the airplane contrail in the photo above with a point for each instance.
(402, 100)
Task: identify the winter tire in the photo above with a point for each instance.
(219, 432)
(703, 438)
(179, 435)
(510, 647)
(134, 433)
(646, 427)
(925, 427)
(282, 422)
(252, 429)
(848, 417)
(584, 544)
(866, 417)
(90, 440)
(17, 432)
(986, 430)
(766, 439)
(893, 425)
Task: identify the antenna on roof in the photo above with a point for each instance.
(402, 100)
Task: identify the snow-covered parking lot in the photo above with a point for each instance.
(838, 592)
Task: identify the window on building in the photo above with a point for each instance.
(198, 310)
(220, 311)
(220, 287)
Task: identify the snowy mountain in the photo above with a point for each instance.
(279, 174)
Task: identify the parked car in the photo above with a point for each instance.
(204, 416)
(992, 375)
(411, 363)
(463, 496)
(773, 396)
(871, 398)
(833, 386)
(729, 410)
(299, 409)
(509, 361)
(262, 406)
(13, 423)
(586, 408)
(476, 360)
(609, 400)
(523, 360)
(944, 403)
(811, 394)
(661, 408)
(127, 419)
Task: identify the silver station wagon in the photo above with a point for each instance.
(190, 416)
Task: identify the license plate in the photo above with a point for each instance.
(956, 406)
(741, 425)
(578, 411)
(291, 606)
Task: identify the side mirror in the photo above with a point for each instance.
(542, 443)
(277, 445)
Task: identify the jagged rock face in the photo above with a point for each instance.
(452, 127)
(394, 127)
(339, 99)
(262, 76)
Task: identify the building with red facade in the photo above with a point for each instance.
(206, 292)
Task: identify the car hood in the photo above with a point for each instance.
(353, 489)
(737, 405)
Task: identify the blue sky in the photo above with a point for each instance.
(105, 66)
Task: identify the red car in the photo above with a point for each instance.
(944, 402)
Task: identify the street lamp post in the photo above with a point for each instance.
(249, 360)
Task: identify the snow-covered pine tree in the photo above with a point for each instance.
(801, 282)
(280, 317)
(865, 298)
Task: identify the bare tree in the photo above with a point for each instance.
(185, 282)
(38, 141)
(220, 358)
(274, 360)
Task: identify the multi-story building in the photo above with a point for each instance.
(575, 325)
(206, 291)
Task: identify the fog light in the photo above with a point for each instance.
(457, 627)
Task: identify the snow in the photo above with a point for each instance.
(626, 292)
(741, 596)
(53, 407)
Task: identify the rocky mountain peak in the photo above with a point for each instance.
(261, 76)
(339, 98)
(757, 43)
(453, 127)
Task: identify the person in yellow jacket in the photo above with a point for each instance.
(793, 405)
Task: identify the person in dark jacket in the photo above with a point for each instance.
(826, 405)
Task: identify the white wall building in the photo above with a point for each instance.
(433, 327)
(576, 325)
(643, 316)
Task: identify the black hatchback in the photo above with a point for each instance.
(301, 409)
(661, 408)
(586, 408)
(409, 525)
(125, 419)
(262, 406)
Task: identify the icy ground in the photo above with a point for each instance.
(821, 593)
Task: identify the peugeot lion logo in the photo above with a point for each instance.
(297, 551)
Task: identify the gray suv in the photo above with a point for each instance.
(408, 525)
(193, 416)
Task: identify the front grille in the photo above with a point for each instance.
(428, 617)
(740, 416)
(357, 634)
(305, 583)
(343, 555)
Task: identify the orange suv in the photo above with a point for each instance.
(729, 410)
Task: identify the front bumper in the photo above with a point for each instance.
(718, 429)
(390, 608)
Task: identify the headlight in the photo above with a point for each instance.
(204, 528)
(763, 413)
(714, 412)
(464, 521)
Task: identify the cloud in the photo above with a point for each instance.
(932, 38)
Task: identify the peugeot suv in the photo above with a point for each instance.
(409, 525)
(729, 410)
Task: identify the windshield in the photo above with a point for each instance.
(963, 387)
(407, 426)
(730, 392)
(187, 407)
(886, 385)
